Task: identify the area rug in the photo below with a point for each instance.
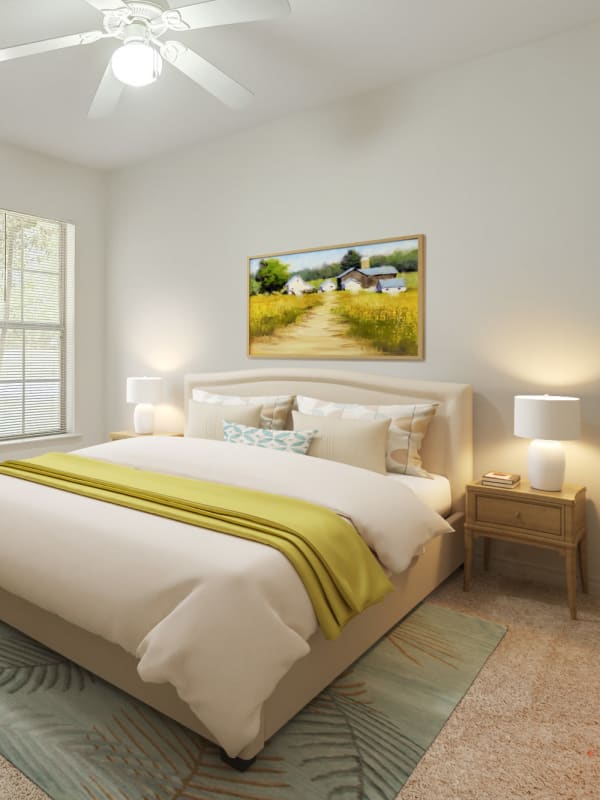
(79, 738)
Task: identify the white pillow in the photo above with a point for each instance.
(408, 426)
(356, 442)
(205, 420)
(274, 413)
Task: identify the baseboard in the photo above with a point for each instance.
(529, 569)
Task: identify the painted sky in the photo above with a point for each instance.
(317, 258)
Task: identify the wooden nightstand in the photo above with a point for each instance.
(555, 520)
(116, 435)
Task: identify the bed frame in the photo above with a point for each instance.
(447, 450)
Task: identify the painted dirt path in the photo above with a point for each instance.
(320, 333)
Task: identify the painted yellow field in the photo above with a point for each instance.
(335, 325)
(269, 312)
(390, 323)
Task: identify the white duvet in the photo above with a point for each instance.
(220, 618)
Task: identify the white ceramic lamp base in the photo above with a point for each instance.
(143, 418)
(546, 465)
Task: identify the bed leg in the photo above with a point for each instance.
(241, 764)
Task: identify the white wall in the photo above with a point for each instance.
(495, 161)
(45, 187)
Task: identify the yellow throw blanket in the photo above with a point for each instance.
(341, 575)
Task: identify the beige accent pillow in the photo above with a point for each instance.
(408, 425)
(205, 420)
(274, 410)
(360, 443)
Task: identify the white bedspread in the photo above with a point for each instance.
(220, 618)
(435, 492)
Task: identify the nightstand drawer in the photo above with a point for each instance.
(539, 517)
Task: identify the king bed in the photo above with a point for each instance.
(39, 594)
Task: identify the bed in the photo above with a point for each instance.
(447, 452)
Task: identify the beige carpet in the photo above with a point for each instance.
(530, 725)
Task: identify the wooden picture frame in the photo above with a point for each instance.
(360, 301)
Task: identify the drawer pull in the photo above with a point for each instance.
(517, 515)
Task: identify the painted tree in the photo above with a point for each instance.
(272, 275)
(351, 260)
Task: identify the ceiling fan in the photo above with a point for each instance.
(140, 26)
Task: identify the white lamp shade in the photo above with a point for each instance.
(547, 417)
(144, 390)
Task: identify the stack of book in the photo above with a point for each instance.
(506, 479)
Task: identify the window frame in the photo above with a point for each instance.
(65, 327)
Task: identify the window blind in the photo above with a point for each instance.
(34, 335)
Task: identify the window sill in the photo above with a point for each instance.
(38, 440)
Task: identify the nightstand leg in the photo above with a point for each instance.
(571, 564)
(486, 552)
(468, 560)
(583, 563)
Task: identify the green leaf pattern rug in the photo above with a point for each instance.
(80, 739)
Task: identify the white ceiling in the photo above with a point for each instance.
(325, 50)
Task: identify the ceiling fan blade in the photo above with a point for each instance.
(206, 75)
(212, 13)
(47, 45)
(106, 5)
(108, 95)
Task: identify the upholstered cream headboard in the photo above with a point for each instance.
(448, 447)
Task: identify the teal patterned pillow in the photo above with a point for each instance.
(286, 441)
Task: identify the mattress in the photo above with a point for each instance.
(435, 493)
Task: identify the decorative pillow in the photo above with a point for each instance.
(287, 441)
(275, 410)
(407, 430)
(205, 420)
(360, 443)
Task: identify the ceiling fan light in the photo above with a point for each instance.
(137, 64)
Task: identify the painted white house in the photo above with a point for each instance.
(391, 286)
(328, 286)
(297, 285)
(352, 285)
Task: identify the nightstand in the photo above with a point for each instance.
(116, 435)
(554, 520)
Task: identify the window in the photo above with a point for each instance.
(36, 311)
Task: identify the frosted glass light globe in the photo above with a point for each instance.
(137, 64)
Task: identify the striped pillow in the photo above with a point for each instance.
(357, 442)
(205, 420)
(285, 441)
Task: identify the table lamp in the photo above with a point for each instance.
(145, 393)
(547, 419)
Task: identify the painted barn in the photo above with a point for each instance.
(366, 277)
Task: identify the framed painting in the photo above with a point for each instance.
(352, 301)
